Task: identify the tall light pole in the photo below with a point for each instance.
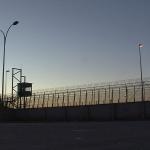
(3, 70)
(142, 92)
(7, 71)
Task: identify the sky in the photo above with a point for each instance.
(60, 43)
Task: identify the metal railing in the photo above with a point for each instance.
(106, 94)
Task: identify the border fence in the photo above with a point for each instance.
(104, 94)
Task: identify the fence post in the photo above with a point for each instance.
(126, 94)
(98, 96)
(33, 101)
(63, 100)
(53, 100)
(105, 95)
(67, 98)
(109, 94)
(143, 91)
(112, 98)
(47, 100)
(38, 101)
(85, 97)
(119, 96)
(92, 98)
(134, 93)
(30, 101)
(57, 100)
(43, 100)
(80, 98)
(94, 95)
(74, 96)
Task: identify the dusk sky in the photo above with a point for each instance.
(62, 43)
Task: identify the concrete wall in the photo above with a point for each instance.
(55, 114)
(7, 114)
(147, 110)
(101, 112)
(79, 113)
(119, 111)
(30, 115)
(129, 111)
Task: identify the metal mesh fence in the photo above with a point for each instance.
(106, 94)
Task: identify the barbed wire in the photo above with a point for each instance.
(126, 82)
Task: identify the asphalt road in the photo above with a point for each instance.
(133, 135)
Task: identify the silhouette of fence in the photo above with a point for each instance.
(106, 94)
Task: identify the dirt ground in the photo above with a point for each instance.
(131, 135)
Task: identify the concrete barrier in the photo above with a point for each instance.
(129, 111)
(119, 111)
(7, 115)
(56, 114)
(101, 112)
(78, 113)
(29, 114)
(147, 110)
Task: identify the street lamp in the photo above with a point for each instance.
(7, 71)
(142, 94)
(5, 37)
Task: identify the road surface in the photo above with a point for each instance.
(132, 135)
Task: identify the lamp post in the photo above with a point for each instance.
(7, 71)
(142, 93)
(3, 70)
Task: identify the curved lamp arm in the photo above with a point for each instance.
(13, 24)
